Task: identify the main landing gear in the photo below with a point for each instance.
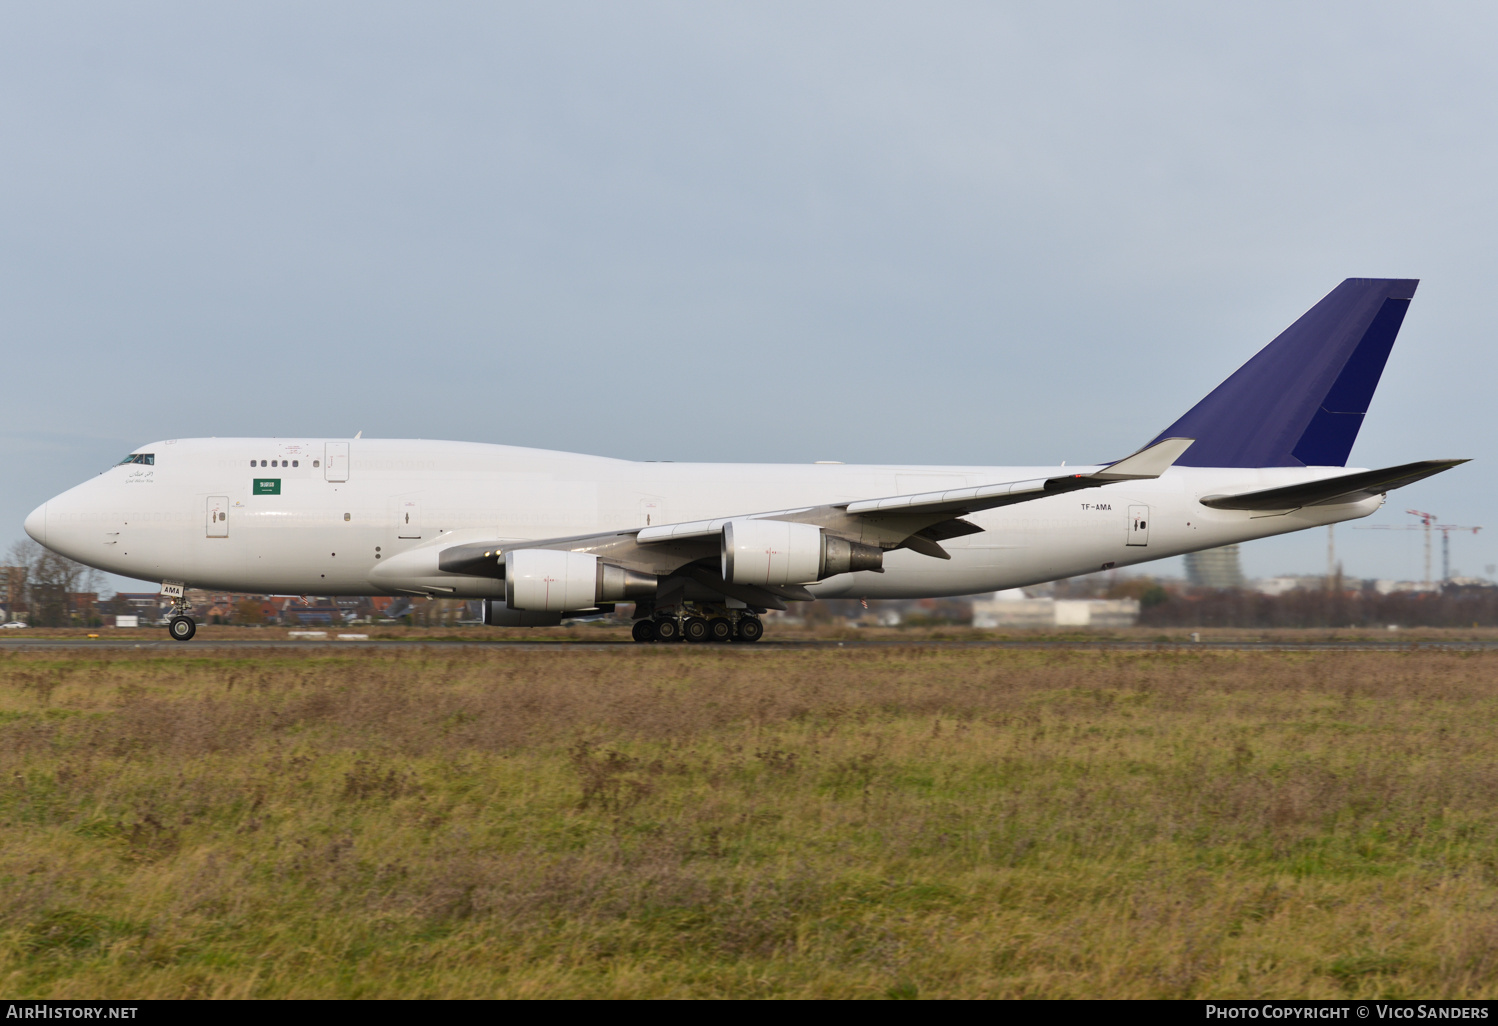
(700, 625)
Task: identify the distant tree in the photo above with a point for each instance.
(249, 612)
(1153, 596)
(1147, 590)
(13, 590)
(49, 580)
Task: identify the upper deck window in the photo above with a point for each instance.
(145, 459)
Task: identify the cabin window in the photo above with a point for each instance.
(296, 463)
(145, 459)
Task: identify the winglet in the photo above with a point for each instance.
(1149, 462)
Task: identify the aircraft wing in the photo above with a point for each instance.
(1331, 491)
(918, 522)
(896, 511)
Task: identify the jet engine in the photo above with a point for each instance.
(497, 613)
(552, 580)
(779, 552)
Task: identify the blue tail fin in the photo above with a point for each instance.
(1301, 400)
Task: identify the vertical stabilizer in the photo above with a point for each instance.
(1301, 400)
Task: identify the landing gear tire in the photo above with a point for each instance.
(720, 628)
(181, 628)
(749, 629)
(696, 629)
(643, 631)
(667, 630)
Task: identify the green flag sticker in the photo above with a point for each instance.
(267, 486)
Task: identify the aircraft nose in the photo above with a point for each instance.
(36, 524)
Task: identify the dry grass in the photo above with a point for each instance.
(683, 821)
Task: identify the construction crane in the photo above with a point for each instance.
(1428, 524)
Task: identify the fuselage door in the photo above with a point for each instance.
(218, 516)
(335, 463)
(408, 516)
(1139, 526)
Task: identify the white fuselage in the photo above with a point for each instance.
(195, 516)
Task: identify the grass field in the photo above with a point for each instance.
(679, 821)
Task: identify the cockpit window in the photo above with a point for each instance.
(145, 459)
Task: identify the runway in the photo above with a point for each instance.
(189, 648)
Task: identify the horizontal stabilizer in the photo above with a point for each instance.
(1333, 490)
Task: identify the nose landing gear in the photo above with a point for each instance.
(180, 625)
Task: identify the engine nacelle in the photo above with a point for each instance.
(779, 552)
(554, 581)
(497, 613)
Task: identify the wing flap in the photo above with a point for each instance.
(705, 528)
(964, 497)
(1333, 490)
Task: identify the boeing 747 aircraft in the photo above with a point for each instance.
(703, 549)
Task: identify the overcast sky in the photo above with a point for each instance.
(928, 233)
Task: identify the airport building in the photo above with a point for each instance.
(1012, 609)
(1215, 568)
